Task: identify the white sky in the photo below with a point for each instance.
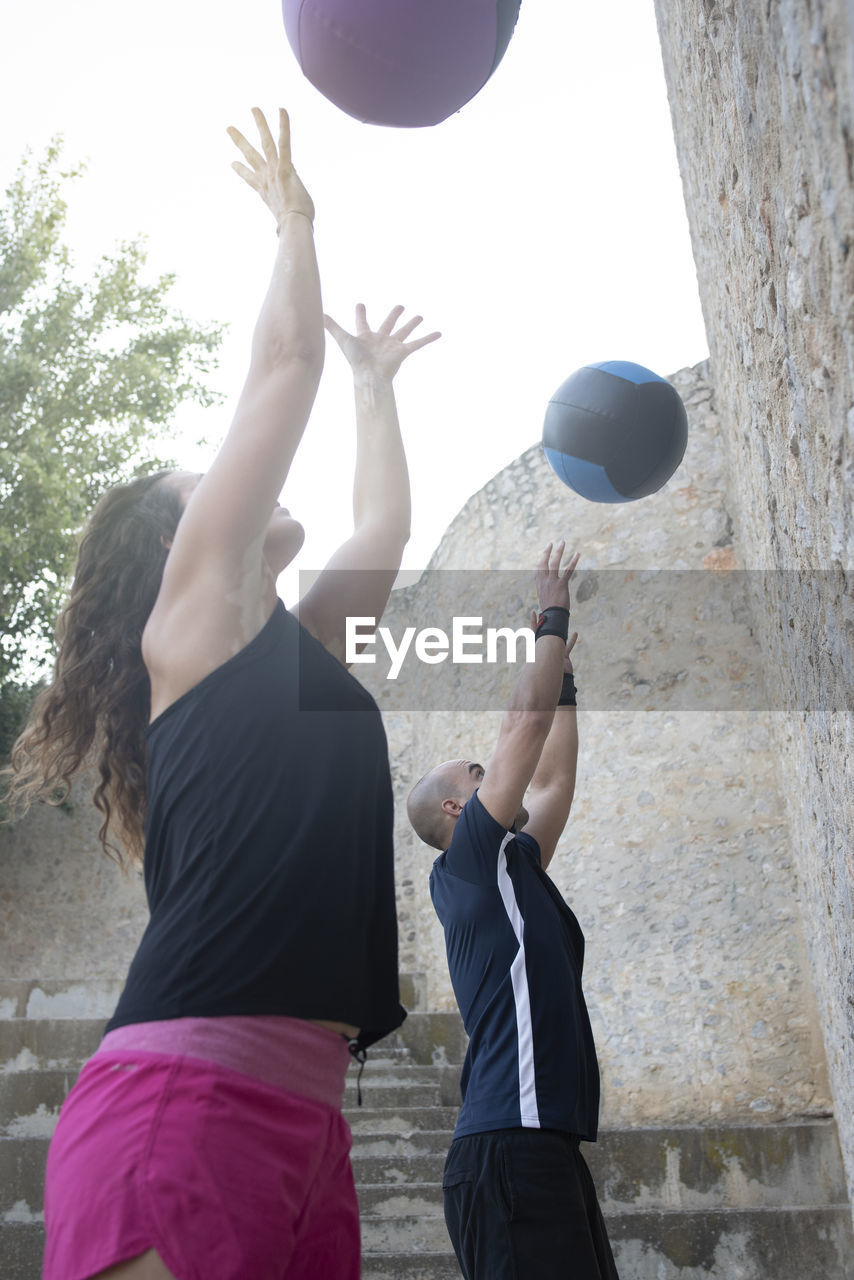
(540, 228)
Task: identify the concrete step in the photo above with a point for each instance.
(390, 1096)
(91, 999)
(430, 1037)
(734, 1244)
(409, 1233)
(21, 1250)
(397, 1170)
(367, 1121)
(391, 1146)
(28, 1095)
(48, 1044)
(794, 1164)
(384, 1073)
(383, 1201)
(22, 1166)
(408, 1266)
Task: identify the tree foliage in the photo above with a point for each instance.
(91, 373)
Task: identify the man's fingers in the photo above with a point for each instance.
(570, 567)
(254, 157)
(544, 558)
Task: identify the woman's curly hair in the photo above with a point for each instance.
(94, 713)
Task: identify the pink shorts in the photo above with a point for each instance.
(227, 1175)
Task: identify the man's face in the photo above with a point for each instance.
(466, 776)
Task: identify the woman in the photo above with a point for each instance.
(204, 1140)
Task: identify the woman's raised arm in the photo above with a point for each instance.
(217, 587)
(361, 573)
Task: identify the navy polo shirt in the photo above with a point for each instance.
(515, 954)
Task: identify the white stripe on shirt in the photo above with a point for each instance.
(530, 1115)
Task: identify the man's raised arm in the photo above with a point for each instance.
(553, 784)
(530, 712)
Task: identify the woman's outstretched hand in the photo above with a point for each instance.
(272, 174)
(378, 351)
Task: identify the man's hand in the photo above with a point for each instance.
(553, 582)
(378, 352)
(531, 710)
(272, 174)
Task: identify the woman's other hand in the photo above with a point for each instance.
(379, 351)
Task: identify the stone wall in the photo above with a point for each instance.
(761, 97)
(67, 910)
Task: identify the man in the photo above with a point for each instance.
(519, 1200)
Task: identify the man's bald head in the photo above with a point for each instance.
(434, 803)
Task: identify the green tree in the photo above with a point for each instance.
(91, 372)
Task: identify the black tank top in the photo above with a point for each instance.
(268, 859)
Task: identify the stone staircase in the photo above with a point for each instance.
(726, 1203)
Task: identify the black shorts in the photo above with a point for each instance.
(520, 1205)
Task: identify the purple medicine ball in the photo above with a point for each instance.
(399, 62)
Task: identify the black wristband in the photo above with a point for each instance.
(567, 691)
(553, 621)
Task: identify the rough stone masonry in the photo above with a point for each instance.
(761, 99)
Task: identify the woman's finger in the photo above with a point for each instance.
(405, 329)
(332, 326)
(362, 325)
(247, 175)
(254, 157)
(267, 144)
(391, 320)
(421, 342)
(284, 137)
